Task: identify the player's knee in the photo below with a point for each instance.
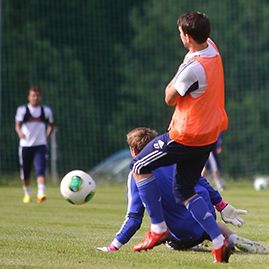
(182, 194)
(40, 172)
(139, 177)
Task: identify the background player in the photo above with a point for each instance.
(34, 125)
(212, 166)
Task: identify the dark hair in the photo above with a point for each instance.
(195, 24)
(35, 89)
(139, 137)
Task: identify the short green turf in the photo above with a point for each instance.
(57, 234)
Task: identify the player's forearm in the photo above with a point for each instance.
(131, 225)
(128, 230)
(171, 94)
(50, 129)
(18, 130)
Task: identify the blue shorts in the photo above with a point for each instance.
(29, 156)
(184, 245)
(162, 151)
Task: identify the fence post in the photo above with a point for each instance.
(53, 150)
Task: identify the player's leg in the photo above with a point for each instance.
(188, 171)
(205, 172)
(40, 162)
(25, 160)
(153, 155)
(249, 246)
(214, 166)
(146, 184)
(196, 243)
(241, 243)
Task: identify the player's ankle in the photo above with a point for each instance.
(232, 238)
(159, 227)
(218, 241)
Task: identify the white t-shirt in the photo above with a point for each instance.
(35, 131)
(191, 76)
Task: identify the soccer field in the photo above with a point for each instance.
(56, 234)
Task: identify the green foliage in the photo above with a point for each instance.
(65, 48)
(239, 28)
(104, 65)
(59, 235)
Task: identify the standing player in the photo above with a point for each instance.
(197, 92)
(34, 125)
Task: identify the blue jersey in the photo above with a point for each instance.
(181, 224)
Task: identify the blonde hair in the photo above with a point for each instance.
(139, 137)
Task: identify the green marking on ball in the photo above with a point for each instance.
(75, 183)
(89, 196)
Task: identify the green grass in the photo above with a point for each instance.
(56, 234)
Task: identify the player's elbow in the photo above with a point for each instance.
(170, 95)
(169, 101)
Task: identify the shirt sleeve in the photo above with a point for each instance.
(20, 113)
(190, 77)
(134, 214)
(48, 114)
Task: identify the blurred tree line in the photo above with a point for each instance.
(103, 66)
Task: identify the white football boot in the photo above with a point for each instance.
(250, 246)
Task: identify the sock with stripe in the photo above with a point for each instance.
(200, 212)
(151, 198)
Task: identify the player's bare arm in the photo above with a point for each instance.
(171, 94)
(50, 129)
(18, 129)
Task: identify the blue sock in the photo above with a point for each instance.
(200, 212)
(150, 195)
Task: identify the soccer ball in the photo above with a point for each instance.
(260, 183)
(77, 187)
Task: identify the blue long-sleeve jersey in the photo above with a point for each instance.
(178, 219)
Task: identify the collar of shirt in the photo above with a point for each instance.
(209, 52)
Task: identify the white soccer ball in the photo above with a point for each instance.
(260, 183)
(77, 187)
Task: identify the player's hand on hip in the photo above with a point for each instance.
(22, 135)
(232, 215)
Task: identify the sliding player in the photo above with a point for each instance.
(185, 232)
